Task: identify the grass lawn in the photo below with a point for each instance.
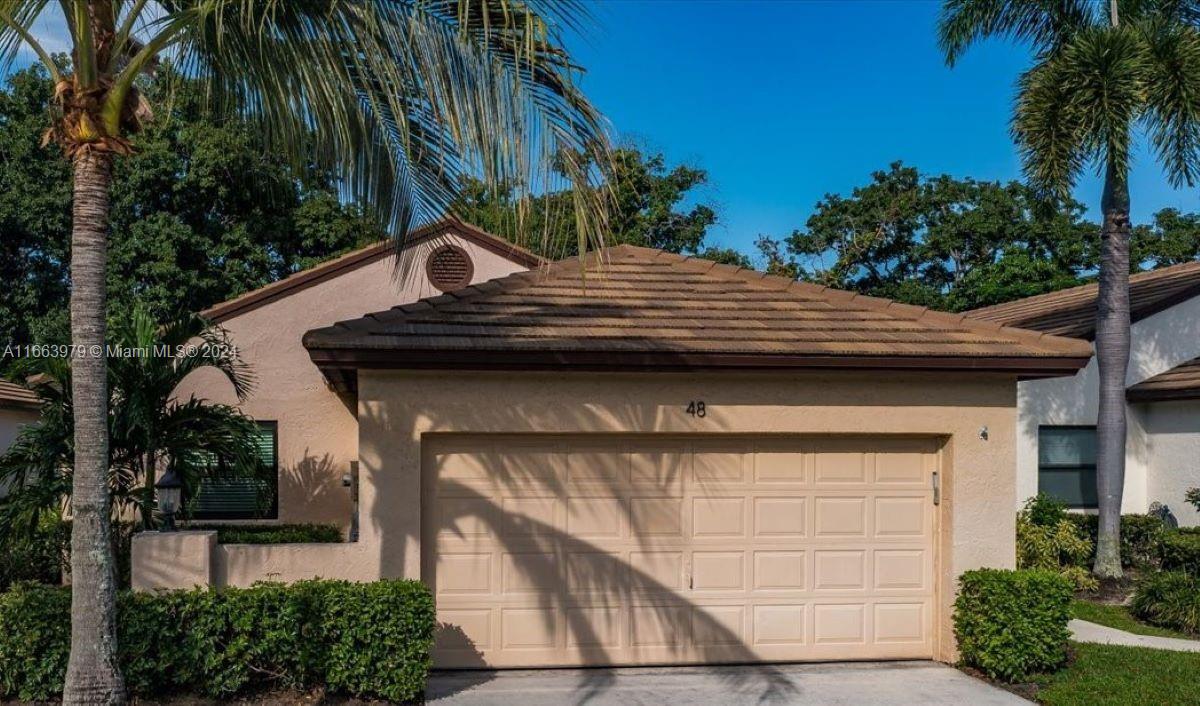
(1119, 617)
(1128, 676)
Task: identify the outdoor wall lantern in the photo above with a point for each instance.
(169, 490)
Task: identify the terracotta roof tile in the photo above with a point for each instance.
(1179, 383)
(13, 395)
(639, 307)
(1072, 312)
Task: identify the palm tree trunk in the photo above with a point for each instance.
(93, 675)
(1112, 361)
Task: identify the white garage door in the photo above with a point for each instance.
(639, 550)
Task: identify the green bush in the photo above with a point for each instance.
(1012, 624)
(273, 534)
(1140, 536)
(1169, 599)
(1048, 540)
(39, 556)
(1180, 551)
(1045, 510)
(367, 640)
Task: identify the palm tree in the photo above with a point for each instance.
(148, 426)
(1101, 73)
(398, 98)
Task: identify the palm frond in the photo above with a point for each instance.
(403, 99)
(1042, 23)
(1173, 98)
(16, 20)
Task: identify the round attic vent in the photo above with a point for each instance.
(449, 268)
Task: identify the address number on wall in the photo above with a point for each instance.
(696, 408)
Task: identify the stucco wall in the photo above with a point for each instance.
(11, 421)
(1158, 343)
(318, 433)
(1173, 438)
(976, 522)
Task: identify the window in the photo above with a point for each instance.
(1067, 465)
(243, 498)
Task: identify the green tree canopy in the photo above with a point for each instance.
(655, 206)
(201, 212)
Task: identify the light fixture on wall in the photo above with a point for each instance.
(169, 491)
(983, 433)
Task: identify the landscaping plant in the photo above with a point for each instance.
(1012, 624)
(1169, 599)
(1179, 550)
(1048, 540)
(369, 640)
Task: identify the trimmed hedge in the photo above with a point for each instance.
(1012, 624)
(1169, 599)
(1180, 551)
(363, 639)
(1140, 536)
(274, 534)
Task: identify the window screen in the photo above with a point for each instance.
(1067, 464)
(243, 498)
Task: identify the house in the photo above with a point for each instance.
(309, 433)
(1057, 418)
(657, 459)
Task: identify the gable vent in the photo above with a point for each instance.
(449, 268)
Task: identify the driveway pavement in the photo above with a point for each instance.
(852, 684)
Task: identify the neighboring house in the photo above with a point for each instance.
(309, 432)
(1056, 449)
(18, 407)
(655, 460)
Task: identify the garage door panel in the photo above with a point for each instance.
(637, 550)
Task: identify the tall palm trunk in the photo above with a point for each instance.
(1112, 361)
(93, 675)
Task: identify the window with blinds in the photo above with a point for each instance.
(1067, 465)
(243, 498)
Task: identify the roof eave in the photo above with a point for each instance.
(1135, 396)
(338, 363)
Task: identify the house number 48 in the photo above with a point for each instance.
(696, 408)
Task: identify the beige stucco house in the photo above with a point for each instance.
(653, 459)
(1057, 418)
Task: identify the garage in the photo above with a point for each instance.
(581, 551)
(655, 459)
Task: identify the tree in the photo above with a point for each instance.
(201, 213)
(947, 243)
(398, 99)
(649, 209)
(1173, 238)
(1100, 70)
(148, 427)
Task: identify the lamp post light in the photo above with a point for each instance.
(169, 490)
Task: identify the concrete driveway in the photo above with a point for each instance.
(857, 684)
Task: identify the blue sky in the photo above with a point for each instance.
(783, 102)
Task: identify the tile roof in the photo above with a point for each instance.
(1072, 312)
(1179, 383)
(13, 395)
(642, 308)
(364, 256)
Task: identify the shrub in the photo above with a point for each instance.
(1180, 551)
(1169, 599)
(39, 556)
(1012, 624)
(274, 534)
(1193, 497)
(1140, 535)
(1045, 510)
(366, 640)
(1053, 545)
